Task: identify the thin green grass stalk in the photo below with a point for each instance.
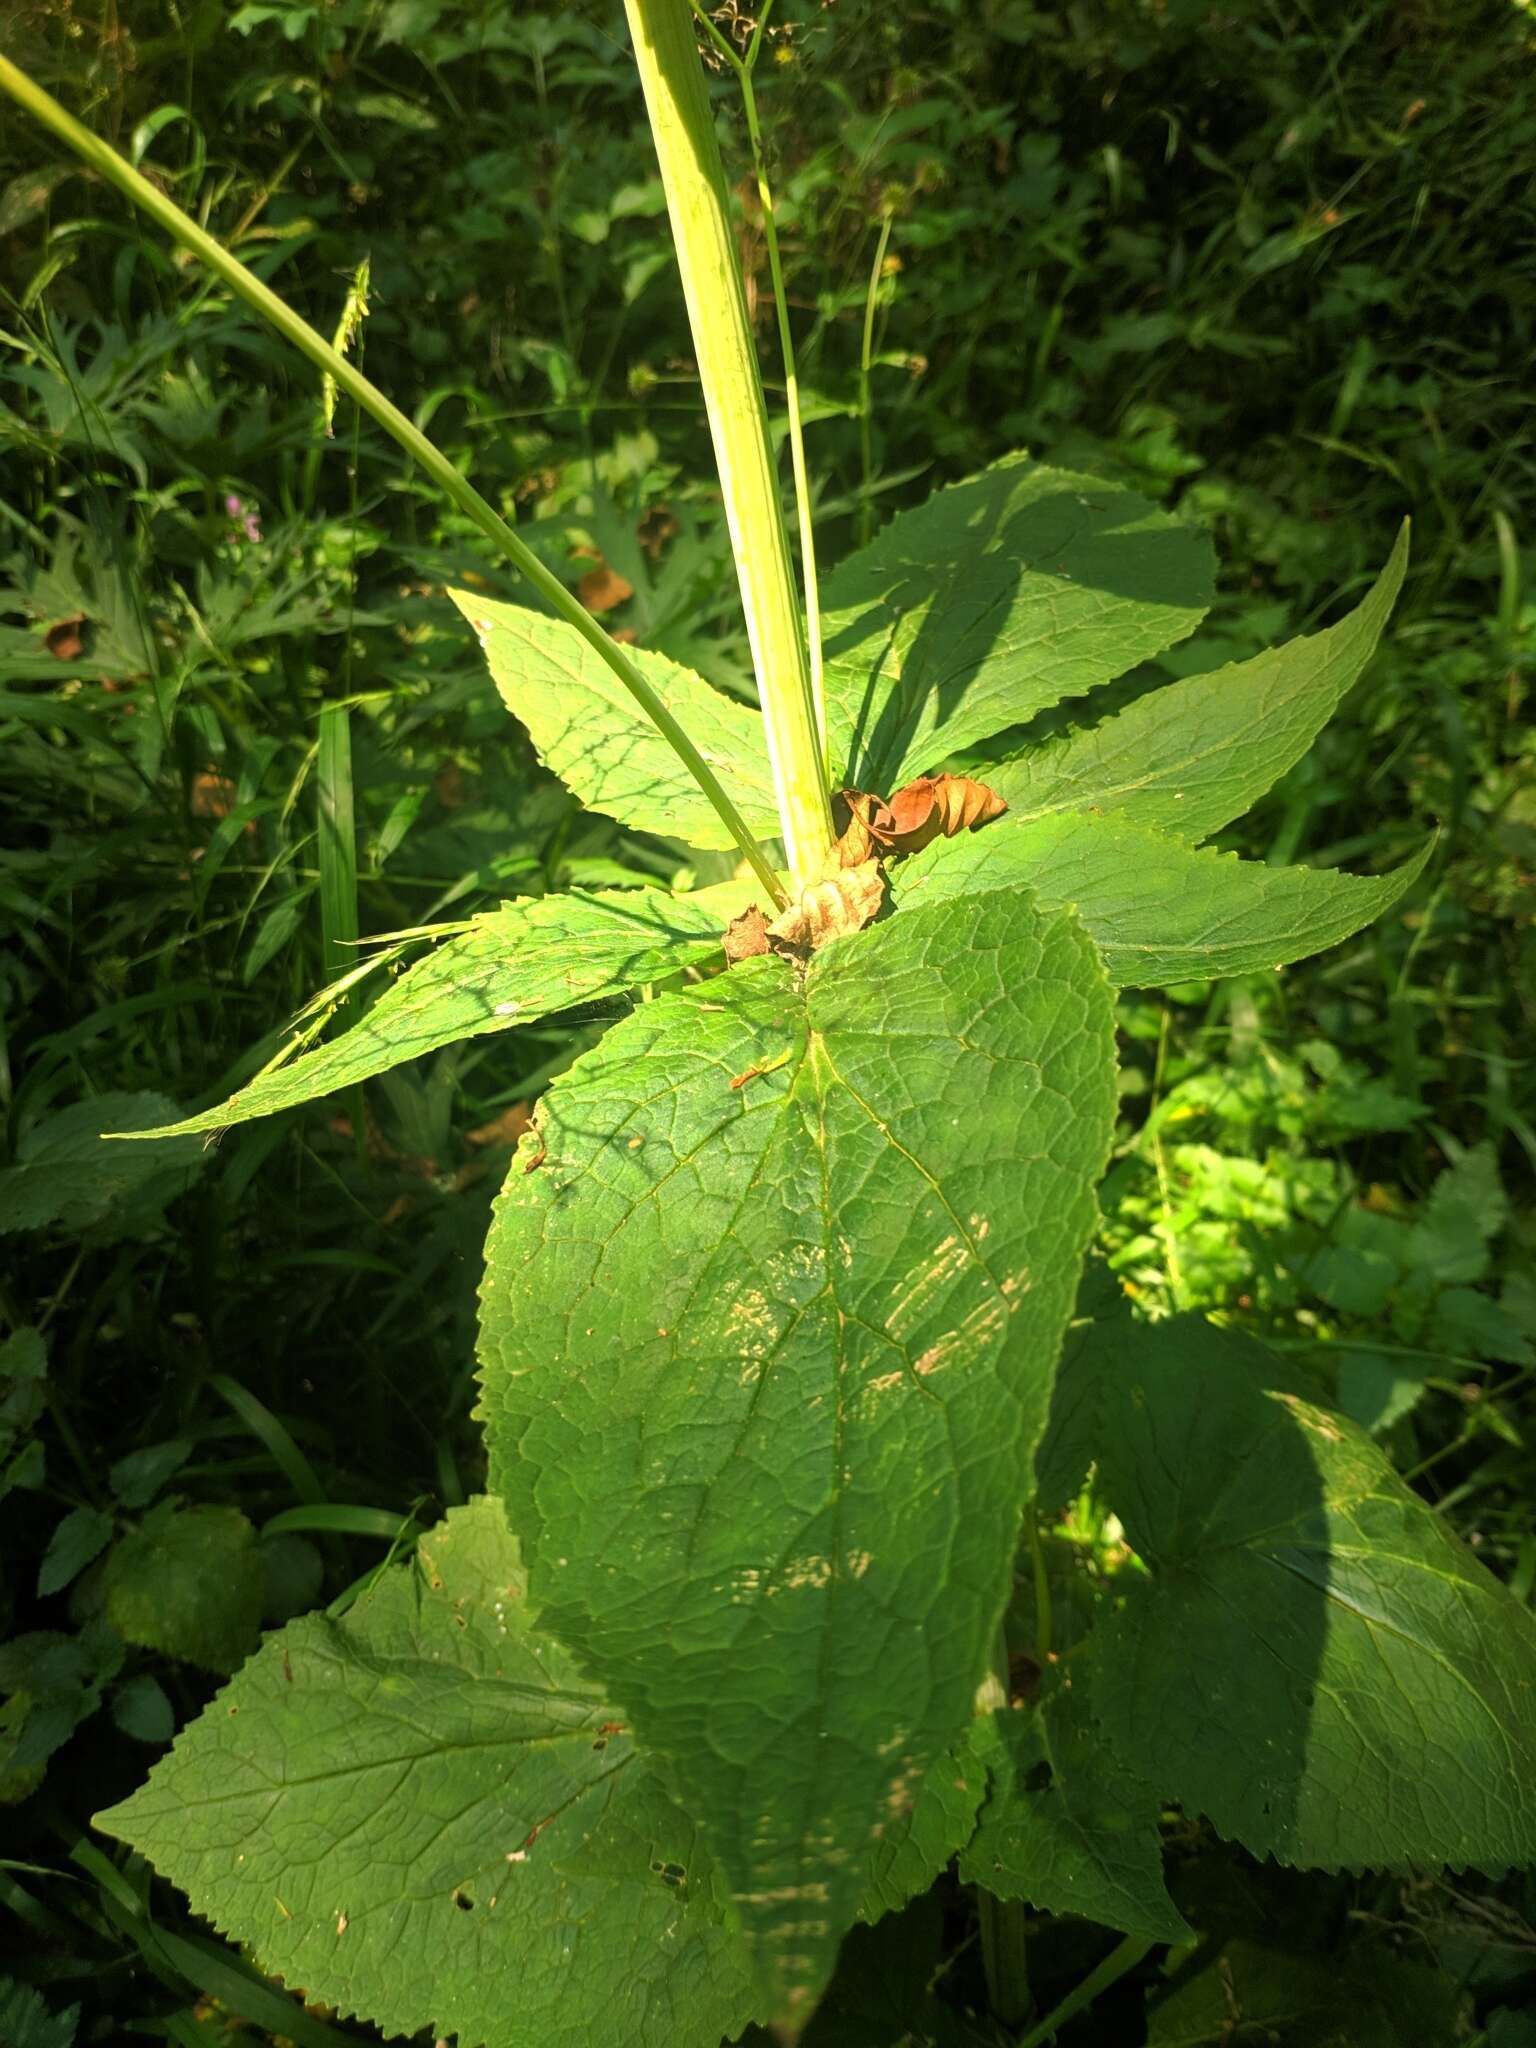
(743, 69)
(106, 162)
(866, 356)
(683, 130)
(1117, 1964)
(279, 1444)
(338, 841)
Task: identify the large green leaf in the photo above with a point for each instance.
(767, 1342)
(1187, 759)
(998, 597)
(513, 966)
(1065, 1825)
(1314, 1661)
(1159, 910)
(425, 1816)
(590, 732)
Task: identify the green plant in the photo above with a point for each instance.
(773, 1306)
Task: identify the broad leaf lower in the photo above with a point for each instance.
(767, 1344)
(1314, 1661)
(426, 1817)
(1065, 1826)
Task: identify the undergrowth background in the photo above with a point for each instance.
(1272, 263)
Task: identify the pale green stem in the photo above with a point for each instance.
(1115, 1965)
(743, 69)
(866, 357)
(1003, 1922)
(105, 160)
(694, 181)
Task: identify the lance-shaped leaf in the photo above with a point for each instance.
(1158, 910)
(513, 966)
(1314, 1661)
(1065, 1825)
(767, 1342)
(1187, 759)
(589, 731)
(425, 1816)
(998, 597)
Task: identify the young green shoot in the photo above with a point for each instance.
(743, 68)
(693, 178)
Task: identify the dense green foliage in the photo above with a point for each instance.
(1262, 273)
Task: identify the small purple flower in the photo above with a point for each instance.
(247, 524)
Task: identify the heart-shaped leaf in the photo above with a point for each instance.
(424, 1815)
(767, 1343)
(1314, 1661)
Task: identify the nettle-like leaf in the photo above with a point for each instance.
(513, 966)
(589, 731)
(767, 1343)
(1314, 1661)
(1065, 1825)
(424, 1815)
(1159, 910)
(1187, 759)
(996, 599)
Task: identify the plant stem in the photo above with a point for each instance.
(866, 353)
(1043, 1615)
(1003, 1922)
(105, 160)
(691, 174)
(743, 68)
(1114, 1966)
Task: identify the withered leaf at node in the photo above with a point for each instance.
(866, 832)
(928, 808)
(746, 936)
(935, 805)
(829, 909)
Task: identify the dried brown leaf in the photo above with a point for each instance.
(66, 640)
(655, 530)
(602, 589)
(939, 805)
(830, 909)
(505, 1129)
(866, 831)
(746, 936)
